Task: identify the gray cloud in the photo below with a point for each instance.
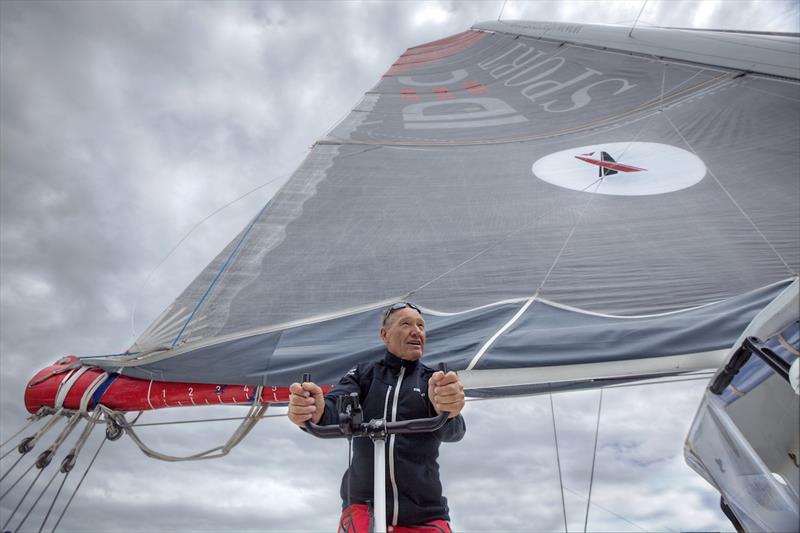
(122, 124)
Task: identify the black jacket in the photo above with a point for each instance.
(413, 490)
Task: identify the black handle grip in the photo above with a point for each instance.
(417, 425)
(324, 432)
(401, 427)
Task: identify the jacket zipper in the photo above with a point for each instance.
(395, 510)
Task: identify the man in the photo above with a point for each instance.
(398, 387)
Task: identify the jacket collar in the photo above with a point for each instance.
(395, 363)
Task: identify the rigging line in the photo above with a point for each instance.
(109, 355)
(733, 200)
(199, 420)
(341, 120)
(501, 10)
(599, 182)
(651, 117)
(255, 414)
(558, 462)
(4, 456)
(776, 95)
(637, 18)
(186, 236)
(68, 464)
(15, 464)
(53, 501)
(488, 344)
(578, 494)
(219, 275)
(594, 456)
(25, 473)
(24, 496)
(660, 109)
(41, 463)
(12, 466)
(674, 93)
(74, 492)
(38, 498)
(490, 247)
(31, 420)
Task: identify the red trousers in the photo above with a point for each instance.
(356, 519)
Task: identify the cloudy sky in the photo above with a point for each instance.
(124, 124)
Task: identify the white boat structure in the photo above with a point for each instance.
(572, 205)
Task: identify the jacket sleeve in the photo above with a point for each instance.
(351, 382)
(453, 430)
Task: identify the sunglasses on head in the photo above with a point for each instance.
(396, 307)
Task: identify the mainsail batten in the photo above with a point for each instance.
(461, 180)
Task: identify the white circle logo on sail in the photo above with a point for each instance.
(622, 168)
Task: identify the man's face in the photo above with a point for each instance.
(404, 334)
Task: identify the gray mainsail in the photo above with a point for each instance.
(555, 202)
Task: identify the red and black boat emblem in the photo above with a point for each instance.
(608, 166)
